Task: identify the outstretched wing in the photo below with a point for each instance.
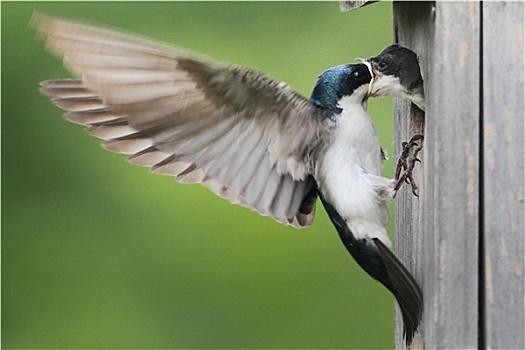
(241, 133)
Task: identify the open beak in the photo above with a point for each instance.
(372, 73)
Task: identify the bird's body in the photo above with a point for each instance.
(349, 177)
(350, 173)
(248, 137)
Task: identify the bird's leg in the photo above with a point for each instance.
(406, 163)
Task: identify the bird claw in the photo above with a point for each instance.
(406, 163)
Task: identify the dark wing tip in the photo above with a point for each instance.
(405, 288)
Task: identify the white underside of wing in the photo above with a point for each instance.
(228, 157)
(139, 98)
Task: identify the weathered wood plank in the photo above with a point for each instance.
(503, 182)
(452, 172)
(413, 26)
(441, 243)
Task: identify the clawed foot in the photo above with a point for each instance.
(406, 163)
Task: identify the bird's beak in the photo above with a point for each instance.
(373, 63)
(377, 74)
(371, 84)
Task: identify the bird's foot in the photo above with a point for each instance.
(406, 163)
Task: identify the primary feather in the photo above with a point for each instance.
(236, 130)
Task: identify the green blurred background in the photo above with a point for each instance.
(97, 253)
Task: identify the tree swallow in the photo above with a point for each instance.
(397, 74)
(248, 137)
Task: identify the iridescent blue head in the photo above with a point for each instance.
(336, 82)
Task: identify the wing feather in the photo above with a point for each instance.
(241, 133)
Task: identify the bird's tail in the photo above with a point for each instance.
(381, 263)
(404, 287)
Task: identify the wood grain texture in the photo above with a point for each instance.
(503, 182)
(440, 243)
(412, 28)
(452, 172)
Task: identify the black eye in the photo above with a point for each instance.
(358, 75)
(382, 65)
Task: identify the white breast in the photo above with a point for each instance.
(350, 173)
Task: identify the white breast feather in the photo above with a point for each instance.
(387, 85)
(351, 173)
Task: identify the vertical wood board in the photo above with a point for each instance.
(413, 26)
(452, 172)
(503, 163)
(444, 223)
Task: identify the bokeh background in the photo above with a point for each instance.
(98, 253)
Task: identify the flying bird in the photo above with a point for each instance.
(248, 137)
